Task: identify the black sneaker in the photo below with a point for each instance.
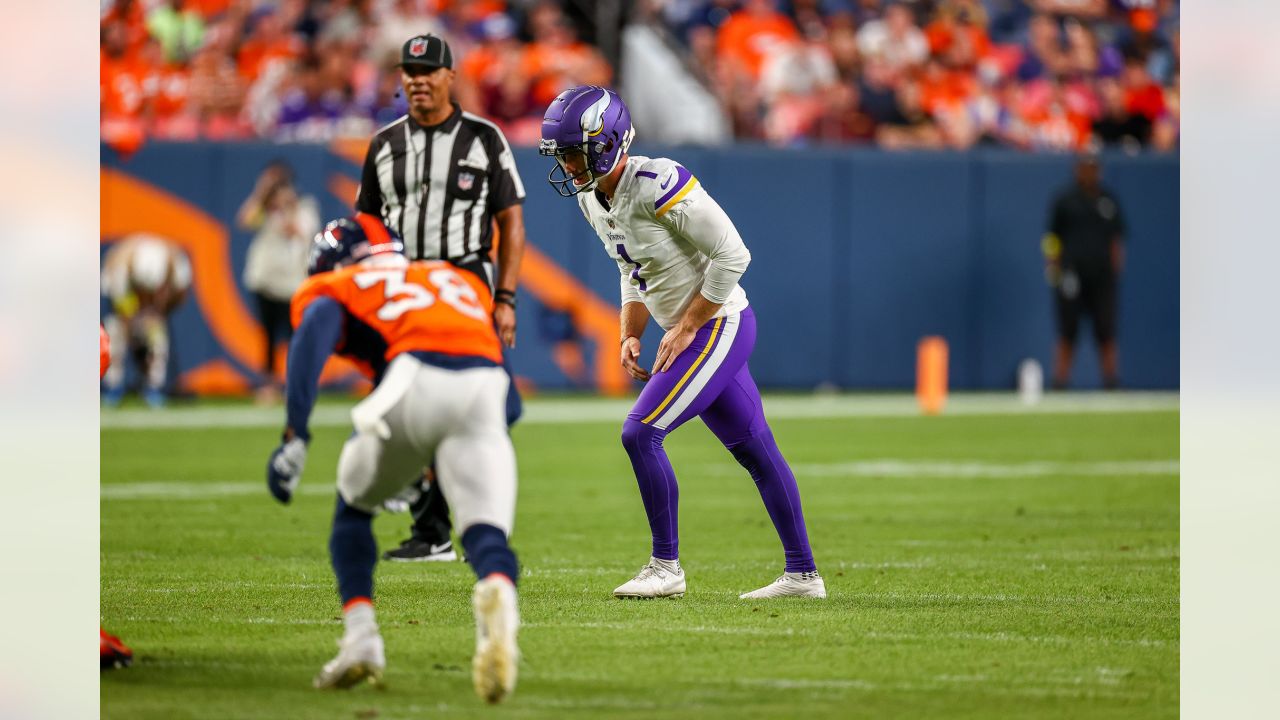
(415, 550)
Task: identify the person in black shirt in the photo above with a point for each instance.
(1084, 254)
(441, 178)
(1117, 126)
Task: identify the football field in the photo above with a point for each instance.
(990, 562)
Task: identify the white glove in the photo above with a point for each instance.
(284, 469)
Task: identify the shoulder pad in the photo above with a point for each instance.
(666, 182)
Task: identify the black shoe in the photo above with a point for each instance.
(415, 550)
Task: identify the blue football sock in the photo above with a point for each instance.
(353, 551)
(488, 552)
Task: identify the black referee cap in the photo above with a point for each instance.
(426, 50)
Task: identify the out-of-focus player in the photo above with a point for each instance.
(112, 653)
(146, 278)
(680, 259)
(423, 332)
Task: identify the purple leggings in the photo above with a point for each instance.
(711, 380)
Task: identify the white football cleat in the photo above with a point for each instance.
(809, 585)
(657, 579)
(493, 669)
(360, 657)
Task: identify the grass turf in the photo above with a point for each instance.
(1046, 591)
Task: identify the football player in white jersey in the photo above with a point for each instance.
(679, 258)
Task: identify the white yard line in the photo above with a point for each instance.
(199, 490)
(901, 468)
(554, 411)
(883, 468)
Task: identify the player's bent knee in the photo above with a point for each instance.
(754, 449)
(637, 436)
(357, 470)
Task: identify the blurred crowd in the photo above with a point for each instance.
(318, 69)
(1034, 74)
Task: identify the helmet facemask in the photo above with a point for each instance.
(591, 160)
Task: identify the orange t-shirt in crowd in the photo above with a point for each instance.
(550, 66)
(207, 8)
(134, 21)
(477, 64)
(472, 11)
(946, 89)
(1147, 101)
(941, 33)
(747, 38)
(425, 305)
(256, 55)
(123, 86)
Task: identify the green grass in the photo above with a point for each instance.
(1052, 595)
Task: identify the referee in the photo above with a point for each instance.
(440, 177)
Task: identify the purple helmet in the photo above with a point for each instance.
(590, 127)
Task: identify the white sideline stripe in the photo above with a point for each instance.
(1069, 687)
(996, 637)
(889, 467)
(1101, 684)
(592, 409)
(898, 468)
(199, 490)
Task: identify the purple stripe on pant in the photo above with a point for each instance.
(711, 380)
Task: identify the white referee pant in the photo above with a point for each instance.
(420, 413)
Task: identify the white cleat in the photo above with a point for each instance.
(809, 585)
(493, 669)
(360, 657)
(660, 578)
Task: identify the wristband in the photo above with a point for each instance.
(506, 297)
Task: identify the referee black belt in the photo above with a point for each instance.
(470, 258)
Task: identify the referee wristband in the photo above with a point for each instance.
(506, 297)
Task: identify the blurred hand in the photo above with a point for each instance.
(631, 357)
(504, 321)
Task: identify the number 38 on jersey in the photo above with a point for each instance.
(429, 306)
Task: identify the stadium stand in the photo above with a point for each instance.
(1052, 75)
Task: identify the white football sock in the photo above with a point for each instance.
(359, 618)
(671, 566)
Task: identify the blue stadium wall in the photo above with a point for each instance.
(857, 254)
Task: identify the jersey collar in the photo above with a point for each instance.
(628, 177)
(446, 126)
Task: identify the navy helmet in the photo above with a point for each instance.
(349, 240)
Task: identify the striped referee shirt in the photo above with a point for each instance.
(440, 186)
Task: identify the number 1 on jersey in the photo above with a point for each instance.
(635, 273)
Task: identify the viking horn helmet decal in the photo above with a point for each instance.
(593, 117)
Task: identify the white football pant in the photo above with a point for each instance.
(420, 412)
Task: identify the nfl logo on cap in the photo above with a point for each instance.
(418, 47)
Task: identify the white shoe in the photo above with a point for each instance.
(360, 657)
(493, 669)
(789, 584)
(655, 580)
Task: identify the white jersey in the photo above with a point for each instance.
(670, 240)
